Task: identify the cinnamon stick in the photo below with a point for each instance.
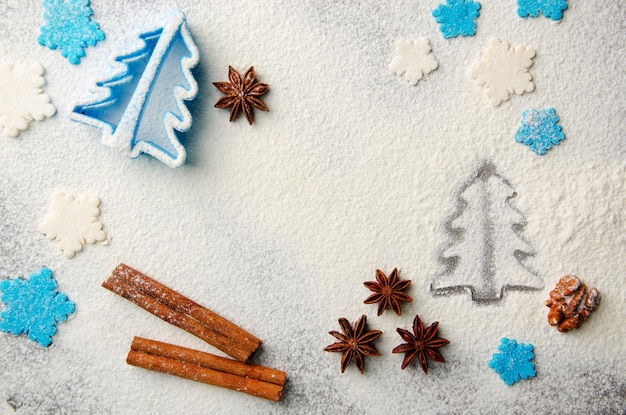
(191, 371)
(188, 307)
(208, 360)
(164, 312)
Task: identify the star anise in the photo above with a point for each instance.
(354, 344)
(424, 343)
(388, 291)
(242, 94)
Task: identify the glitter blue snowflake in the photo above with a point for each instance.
(540, 130)
(552, 9)
(457, 17)
(514, 361)
(33, 306)
(69, 28)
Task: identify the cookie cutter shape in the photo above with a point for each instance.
(141, 106)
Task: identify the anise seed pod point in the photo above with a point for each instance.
(388, 292)
(354, 343)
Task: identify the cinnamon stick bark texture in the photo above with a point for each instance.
(206, 368)
(182, 312)
(208, 360)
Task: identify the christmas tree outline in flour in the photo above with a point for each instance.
(486, 252)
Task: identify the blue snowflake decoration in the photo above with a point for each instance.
(552, 9)
(33, 306)
(457, 17)
(514, 361)
(540, 130)
(69, 28)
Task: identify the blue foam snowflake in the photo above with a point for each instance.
(514, 361)
(33, 306)
(540, 130)
(457, 17)
(69, 27)
(550, 8)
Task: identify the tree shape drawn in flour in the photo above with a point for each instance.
(486, 254)
(140, 107)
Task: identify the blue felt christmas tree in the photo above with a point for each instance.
(142, 105)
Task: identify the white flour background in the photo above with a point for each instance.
(276, 226)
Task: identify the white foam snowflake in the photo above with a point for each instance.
(22, 99)
(413, 59)
(73, 222)
(503, 70)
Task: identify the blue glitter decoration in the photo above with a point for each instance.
(552, 9)
(514, 361)
(457, 17)
(33, 306)
(69, 28)
(540, 130)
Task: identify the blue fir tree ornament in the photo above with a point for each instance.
(514, 362)
(552, 9)
(457, 17)
(142, 105)
(69, 28)
(33, 306)
(540, 130)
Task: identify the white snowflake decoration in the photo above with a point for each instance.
(413, 60)
(503, 70)
(22, 99)
(73, 222)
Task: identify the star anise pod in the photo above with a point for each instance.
(422, 344)
(242, 94)
(354, 344)
(388, 291)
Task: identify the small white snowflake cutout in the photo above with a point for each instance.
(22, 99)
(413, 59)
(503, 70)
(73, 222)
